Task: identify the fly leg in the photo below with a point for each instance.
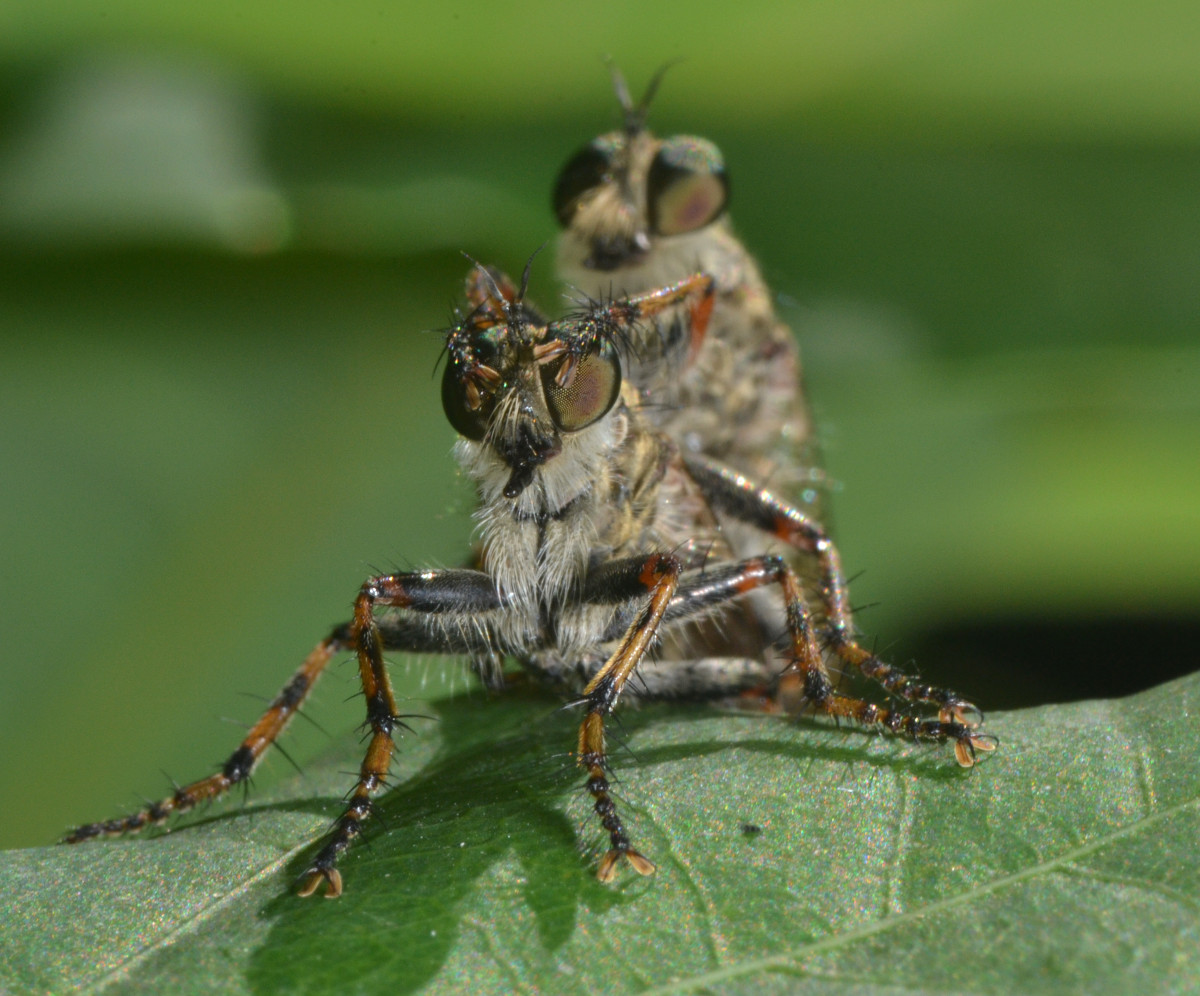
(437, 601)
(681, 334)
(449, 593)
(957, 720)
(241, 762)
(655, 576)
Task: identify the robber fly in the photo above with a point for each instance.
(634, 463)
(586, 514)
(639, 211)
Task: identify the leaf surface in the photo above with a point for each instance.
(792, 858)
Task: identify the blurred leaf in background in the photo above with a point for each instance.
(224, 228)
(141, 148)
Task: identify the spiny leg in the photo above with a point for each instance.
(493, 296)
(734, 494)
(425, 592)
(657, 576)
(699, 592)
(628, 313)
(241, 762)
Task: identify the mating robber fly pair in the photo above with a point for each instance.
(629, 541)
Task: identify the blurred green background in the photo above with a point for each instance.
(225, 228)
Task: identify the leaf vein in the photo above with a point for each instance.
(193, 922)
(792, 960)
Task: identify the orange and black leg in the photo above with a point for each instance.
(681, 339)
(437, 600)
(241, 762)
(440, 593)
(493, 296)
(652, 580)
(733, 494)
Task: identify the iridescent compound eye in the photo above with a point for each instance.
(589, 391)
(584, 172)
(687, 187)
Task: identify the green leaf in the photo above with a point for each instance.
(792, 857)
(1104, 67)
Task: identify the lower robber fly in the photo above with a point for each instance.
(599, 541)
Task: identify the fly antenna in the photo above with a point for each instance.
(635, 114)
(525, 274)
(621, 89)
(652, 87)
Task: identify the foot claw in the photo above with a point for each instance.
(641, 865)
(965, 749)
(314, 878)
(608, 864)
(962, 712)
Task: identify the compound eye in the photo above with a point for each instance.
(467, 421)
(469, 401)
(583, 173)
(687, 187)
(577, 398)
